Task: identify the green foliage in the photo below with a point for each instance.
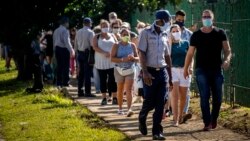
(97, 9)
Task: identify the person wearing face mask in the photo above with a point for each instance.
(156, 66)
(209, 43)
(112, 17)
(124, 54)
(179, 49)
(180, 18)
(63, 51)
(102, 44)
(116, 27)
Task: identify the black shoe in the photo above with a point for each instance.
(89, 95)
(80, 93)
(104, 101)
(114, 101)
(159, 137)
(143, 128)
(34, 90)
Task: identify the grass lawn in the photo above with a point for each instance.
(47, 116)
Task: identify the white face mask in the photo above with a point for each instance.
(177, 36)
(112, 20)
(115, 30)
(105, 30)
(164, 27)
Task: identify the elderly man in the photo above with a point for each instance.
(83, 43)
(63, 52)
(156, 63)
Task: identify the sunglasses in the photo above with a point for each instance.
(206, 17)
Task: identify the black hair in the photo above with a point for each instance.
(181, 13)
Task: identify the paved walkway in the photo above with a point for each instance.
(129, 125)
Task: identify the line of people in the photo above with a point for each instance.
(162, 55)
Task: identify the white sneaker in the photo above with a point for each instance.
(130, 113)
(120, 112)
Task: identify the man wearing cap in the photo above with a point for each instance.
(156, 63)
(63, 52)
(83, 43)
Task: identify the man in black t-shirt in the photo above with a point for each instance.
(209, 42)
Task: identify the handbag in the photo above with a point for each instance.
(91, 56)
(125, 71)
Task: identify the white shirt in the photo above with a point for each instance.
(84, 39)
(61, 38)
(101, 61)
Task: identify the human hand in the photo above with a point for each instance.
(131, 57)
(107, 54)
(147, 78)
(72, 54)
(225, 65)
(186, 73)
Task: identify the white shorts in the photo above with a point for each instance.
(177, 76)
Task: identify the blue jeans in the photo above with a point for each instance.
(154, 98)
(210, 82)
(62, 70)
(84, 72)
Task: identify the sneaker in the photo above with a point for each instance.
(130, 113)
(104, 101)
(120, 112)
(114, 101)
(159, 137)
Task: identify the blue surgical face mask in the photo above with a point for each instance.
(207, 22)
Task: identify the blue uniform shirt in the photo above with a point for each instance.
(155, 46)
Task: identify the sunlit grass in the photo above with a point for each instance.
(47, 116)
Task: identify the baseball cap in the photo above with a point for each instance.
(87, 20)
(163, 14)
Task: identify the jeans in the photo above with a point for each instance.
(154, 98)
(62, 70)
(210, 82)
(84, 72)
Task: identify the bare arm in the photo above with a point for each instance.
(188, 60)
(227, 55)
(169, 66)
(113, 54)
(95, 45)
(136, 56)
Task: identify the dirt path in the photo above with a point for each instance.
(189, 131)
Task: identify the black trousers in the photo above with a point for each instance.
(37, 69)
